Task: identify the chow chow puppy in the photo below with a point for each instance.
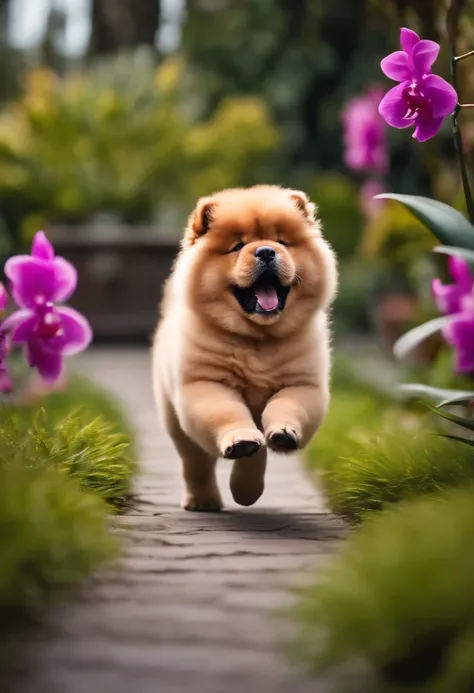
(241, 357)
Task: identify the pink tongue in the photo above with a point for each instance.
(267, 299)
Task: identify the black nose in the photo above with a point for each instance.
(265, 253)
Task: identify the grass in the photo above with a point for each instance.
(372, 451)
(400, 598)
(394, 467)
(86, 431)
(66, 463)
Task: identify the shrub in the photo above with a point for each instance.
(93, 453)
(62, 470)
(400, 597)
(53, 531)
(383, 453)
(392, 466)
(123, 137)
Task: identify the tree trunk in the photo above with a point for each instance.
(120, 24)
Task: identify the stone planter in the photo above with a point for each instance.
(121, 275)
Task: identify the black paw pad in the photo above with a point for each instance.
(283, 441)
(241, 448)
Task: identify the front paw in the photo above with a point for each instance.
(242, 442)
(283, 439)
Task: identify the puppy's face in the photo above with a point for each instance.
(258, 260)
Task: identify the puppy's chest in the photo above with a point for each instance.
(257, 372)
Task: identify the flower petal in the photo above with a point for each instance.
(423, 56)
(447, 297)
(426, 126)
(32, 279)
(461, 272)
(408, 39)
(393, 107)
(42, 248)
(65, 275)
(13, 264)
(442, 95)
(21, 325)
(395, 66)
(76, 334)
(460, 333)
(3, 297)
(49, 364)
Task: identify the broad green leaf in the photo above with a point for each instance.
(440, 396)
(461, 398)
(418, 334)
(459, 439)
(459, 420)
(457, 252)
(445, 222)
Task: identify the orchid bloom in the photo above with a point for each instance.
(48, 331)
(5, 382)
(364, 134)
(451, 298)
(457, 300)
(421, 99)
(460, 334)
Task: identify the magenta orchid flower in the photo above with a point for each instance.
(460, 334)
(421, 99)
(452, 298)
(49, 332)
(364, 134)
(457, 300)
(5, 381)
(40, 274)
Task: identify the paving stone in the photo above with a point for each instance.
(195, 603)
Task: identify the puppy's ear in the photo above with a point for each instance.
(203, 215)
(305, 206)
(200, 220)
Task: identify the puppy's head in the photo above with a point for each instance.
(258, 260)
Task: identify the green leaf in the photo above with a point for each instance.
(459, 420)
(459, 439)
(440, 396)
(414, 337)
(446, 223)
(461, 398)
(457, 252)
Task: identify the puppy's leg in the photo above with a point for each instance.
(202, 493)
(201, 490)
(248, 478)
(218, 420)
(292, 417)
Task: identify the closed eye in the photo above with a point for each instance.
(237, 247)
(282, 242)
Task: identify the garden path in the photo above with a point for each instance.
(192, 606)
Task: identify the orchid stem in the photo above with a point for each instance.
(452, 23)
(466, 105)
(464, 56)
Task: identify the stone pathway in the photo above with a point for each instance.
(192, 606)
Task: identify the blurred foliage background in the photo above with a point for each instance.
(133, 108)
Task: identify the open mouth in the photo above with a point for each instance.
(266, 296)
